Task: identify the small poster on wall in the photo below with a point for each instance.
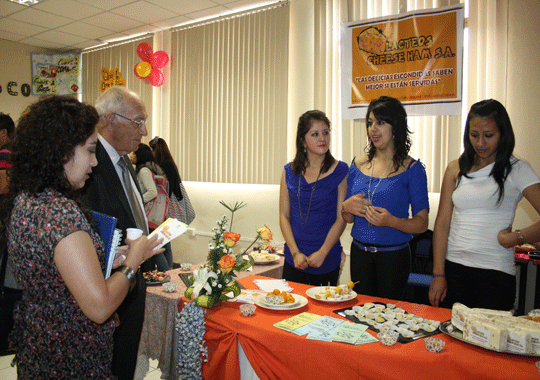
(415, 57)
(57, 74)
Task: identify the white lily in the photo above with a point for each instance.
(201, 277)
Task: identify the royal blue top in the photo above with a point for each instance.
(395, 194)
(310, 234)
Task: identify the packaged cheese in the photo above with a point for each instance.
(459, 313)
(492, 313)
(485, 333)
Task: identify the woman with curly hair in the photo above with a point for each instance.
(382, 186)
(63, 326)
(473, 255)
(312, 187)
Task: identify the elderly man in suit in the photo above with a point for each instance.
(113, 190)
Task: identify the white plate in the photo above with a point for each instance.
(299, 301)
(273, 259)
(311, 292)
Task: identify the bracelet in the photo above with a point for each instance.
(520, 237)
(128, 272)
(439, 275)
(294, 254)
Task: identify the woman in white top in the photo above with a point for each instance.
(473, 238)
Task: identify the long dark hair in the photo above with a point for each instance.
(305, 122)
(162, 152)
(145, 158)
(391, 111)
(45, 139)
(494, 110)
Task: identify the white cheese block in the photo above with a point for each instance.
(485, 333)
(492, 313)
(458, 315)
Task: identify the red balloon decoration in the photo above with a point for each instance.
(151, 65)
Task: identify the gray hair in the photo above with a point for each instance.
(112, 100)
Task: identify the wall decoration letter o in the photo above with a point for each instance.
(10, 88)
(26, 90)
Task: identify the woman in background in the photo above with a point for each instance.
(473, 256)
(165, 160)
(146, 168)
(63, 326)
(382, 186)
(312, 189)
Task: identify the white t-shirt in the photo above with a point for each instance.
(478, 219)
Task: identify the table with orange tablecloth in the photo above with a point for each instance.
(159, 334)
(277, 354)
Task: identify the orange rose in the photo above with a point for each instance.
(230, 239)
(265, 233)
(227, 263)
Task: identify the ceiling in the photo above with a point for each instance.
(73, 25)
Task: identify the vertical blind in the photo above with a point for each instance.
(124, 58)
(228, 104)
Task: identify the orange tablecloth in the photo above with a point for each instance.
(159, 334)
(276, 354)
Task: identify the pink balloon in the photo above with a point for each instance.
(144, 50)
(160, 59)
(156, 77)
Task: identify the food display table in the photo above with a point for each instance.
(277, 354)
(159, 334)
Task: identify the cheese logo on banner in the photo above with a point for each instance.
(415, 57)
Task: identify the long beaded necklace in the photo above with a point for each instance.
(304, 220)
(369, 193)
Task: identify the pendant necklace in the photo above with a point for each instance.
(369, 193)
(304, 220)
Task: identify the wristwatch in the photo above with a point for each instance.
(128, 272)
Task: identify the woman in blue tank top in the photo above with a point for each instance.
(382, 186)
(313, 187)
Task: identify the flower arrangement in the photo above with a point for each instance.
(215, 280)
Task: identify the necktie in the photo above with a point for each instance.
(135, 205)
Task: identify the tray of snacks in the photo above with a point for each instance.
(156, 278)
(495, 330)
(386, 317)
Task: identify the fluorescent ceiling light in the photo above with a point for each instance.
(25, 2)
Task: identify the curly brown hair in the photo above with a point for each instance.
(45, 139)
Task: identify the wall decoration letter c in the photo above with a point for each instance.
(10, 88)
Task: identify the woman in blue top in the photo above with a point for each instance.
(312, 188)
(381, 186)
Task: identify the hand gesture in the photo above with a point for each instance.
(300, 261)
(316, 259)
(378, 216)
(358, 205)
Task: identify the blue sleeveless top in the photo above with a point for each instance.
(395, 194)
(310, 234)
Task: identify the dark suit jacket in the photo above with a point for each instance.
(103, 192)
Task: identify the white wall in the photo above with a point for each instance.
(16, 66)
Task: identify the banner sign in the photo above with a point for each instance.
(415, 57)
(57, 74)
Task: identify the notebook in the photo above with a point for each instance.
(110, 235)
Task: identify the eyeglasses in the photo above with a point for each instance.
(140, 124)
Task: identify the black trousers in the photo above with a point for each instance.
(380, 274)
(128, 334)
(475, 287)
